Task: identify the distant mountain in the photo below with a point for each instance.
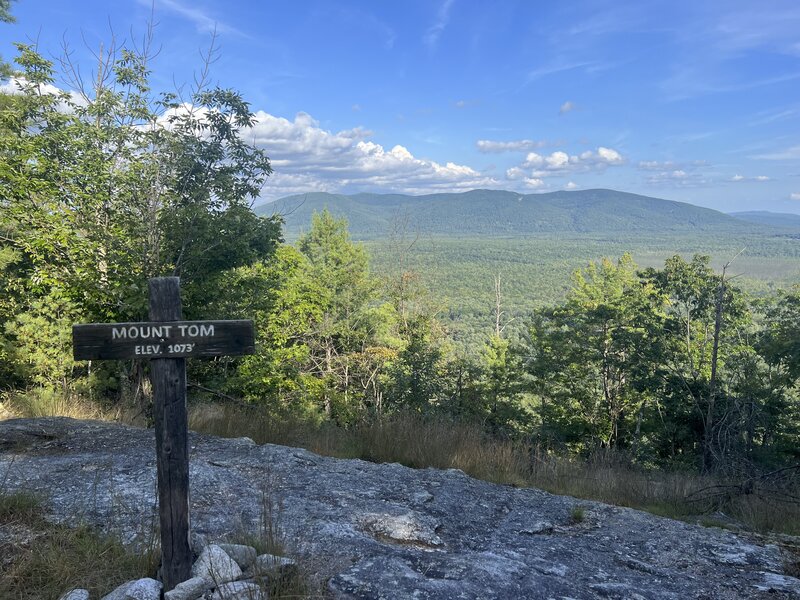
(502, 213)
(765, 217)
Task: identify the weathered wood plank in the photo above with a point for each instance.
(159, 339)
(168, 376)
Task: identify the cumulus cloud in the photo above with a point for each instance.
(15, 85)
(738, 178)
(674, 174)
(561, 163)
(495, 147)
(794, 196)
(307, 157)
(654, 165)
(515, 173)
(566, 107)
(571, 185)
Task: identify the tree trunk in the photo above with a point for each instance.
(708, 454)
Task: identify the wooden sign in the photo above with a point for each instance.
(166, 341)
(159, 339)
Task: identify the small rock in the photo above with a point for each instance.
(141, 589)
(409, 528)
(216, 566)
(537, 528)
(420, 498)
(270, 563)
(244, 556)
(238, 590)
(77, 594)
(189, 590)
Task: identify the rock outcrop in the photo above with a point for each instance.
(386, 531)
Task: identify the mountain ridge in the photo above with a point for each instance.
(505, 213)
(767, 217)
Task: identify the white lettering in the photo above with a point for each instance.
(207, 330)
(118, 332)
(194, 330)
(147, 350)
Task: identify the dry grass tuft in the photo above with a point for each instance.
(39, 402)
(43, 560)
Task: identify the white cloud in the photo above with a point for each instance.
(561, 163)
(612, 157)
(15, 85)
(461, 104)
(515, 173)
(654, 165)
(674, 174)
(307, 157)
(676, 178)
(534, 182)
(494, 147)
(571, 185)
(566, 107)
(794, 196)
(739, 178)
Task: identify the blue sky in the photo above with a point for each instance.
(687, 100)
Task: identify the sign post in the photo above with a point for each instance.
(167, 341)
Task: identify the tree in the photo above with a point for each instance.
(353, 340)
(706, 320)
(106, 186)
(590, 358)
(5, 17)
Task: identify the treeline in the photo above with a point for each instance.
(102, 188)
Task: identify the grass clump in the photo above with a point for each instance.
(43, 402)
(43, 560)
(19, 508)
(577, 514)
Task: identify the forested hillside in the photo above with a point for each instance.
(764, 217)
(499, 213)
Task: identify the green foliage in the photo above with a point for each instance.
(780, 342)
(590, 357)
(43, 341)
(666, 363)
(103, 188)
